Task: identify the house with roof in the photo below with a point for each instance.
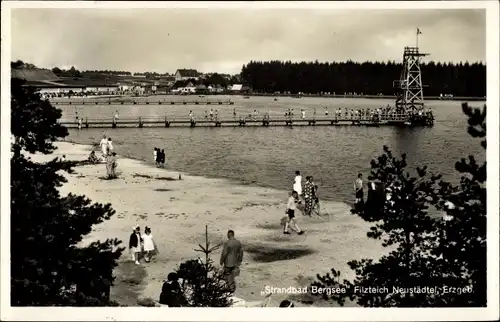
(185, 74)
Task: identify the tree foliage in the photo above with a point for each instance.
(49, 266)
(424, 251)
(369, 78)
(203, 283)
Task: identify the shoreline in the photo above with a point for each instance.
(185, 173)
(178, 210)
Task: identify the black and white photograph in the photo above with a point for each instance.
(250, 155)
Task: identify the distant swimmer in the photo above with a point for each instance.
(211, 113)
(80, 124)
(255, 114)
(191, 116)
(303, 114)
(326, 111)
(314, 111)
(234, 112)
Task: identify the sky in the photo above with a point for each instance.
(222, 40)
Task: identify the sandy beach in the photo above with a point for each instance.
(178, 210)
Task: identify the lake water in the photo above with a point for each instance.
(269, 156)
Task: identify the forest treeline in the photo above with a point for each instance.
(369, 78)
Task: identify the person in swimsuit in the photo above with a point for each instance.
(358, 188)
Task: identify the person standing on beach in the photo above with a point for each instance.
(111, 165)
(297, 183)
(104, 146)
(290, 211)
(134, 244)
(358, 189)
(155, 154)
(308, 196)
(110, 146)
(149, 244)
(230, 259)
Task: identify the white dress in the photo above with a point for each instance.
(148, 242)
(297, 185)
(104, 146)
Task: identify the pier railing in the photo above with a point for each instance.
(238, 120)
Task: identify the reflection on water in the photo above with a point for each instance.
(270, 156)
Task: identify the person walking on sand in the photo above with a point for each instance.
(297, 183)
(155, 154)
(358, 189)
(111, 165)
(162, 158)
(290, 211)
(104, 146)
(150, 247)
(134, 244)
(308, 196)
(230, 259)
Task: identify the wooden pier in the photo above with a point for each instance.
(140, 102)
(167, 122)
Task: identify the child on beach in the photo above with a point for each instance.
(134, 244)
(150, 247)
(290, 211)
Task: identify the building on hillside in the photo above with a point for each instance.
(185, 74)
(239, 88)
